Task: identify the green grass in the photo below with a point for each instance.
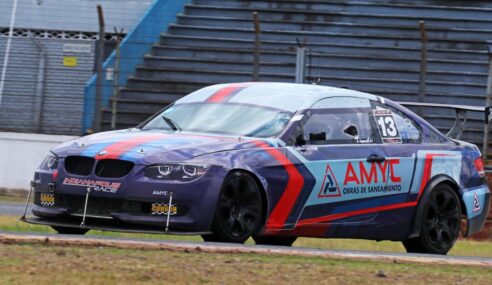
(12, 199)
(13, 224)
(22, 264)
(461, 248)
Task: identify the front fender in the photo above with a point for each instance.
(247, 160)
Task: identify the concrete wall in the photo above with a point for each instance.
(21, 154)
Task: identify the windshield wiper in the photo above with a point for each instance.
(171, 123)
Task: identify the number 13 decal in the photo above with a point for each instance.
(387, 126)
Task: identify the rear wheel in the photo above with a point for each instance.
(274, 240)
(70, 231)
(440, 224)
(239, 211)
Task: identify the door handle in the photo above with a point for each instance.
(375, 158)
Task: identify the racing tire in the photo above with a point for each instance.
(70, 231)
(239, 213)
(440, 224)
(274, 240)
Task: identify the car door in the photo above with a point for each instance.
(402, 139)
(339, 143)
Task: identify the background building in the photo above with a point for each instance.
(52, 58)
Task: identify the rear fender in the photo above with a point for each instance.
(433, 182)
(476, 202)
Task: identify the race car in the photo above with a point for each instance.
(271, 161)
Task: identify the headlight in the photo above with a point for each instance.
(179, 172)
(49, 163)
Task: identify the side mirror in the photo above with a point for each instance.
(317, 136)
(351, 130)
(300, 140)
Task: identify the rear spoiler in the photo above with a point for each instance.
(460, 111)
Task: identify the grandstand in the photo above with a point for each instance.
(182, 45)
(372, 46)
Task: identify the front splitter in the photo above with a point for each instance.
(102, 225)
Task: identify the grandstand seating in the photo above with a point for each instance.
(372, 46)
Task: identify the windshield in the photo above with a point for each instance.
(223, 118)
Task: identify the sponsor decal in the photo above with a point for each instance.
(330, 185)
(476, 203)
(362, 178)
(47, 199)
(379, 178)
(366, 177)
(95, 185)
(162, 209)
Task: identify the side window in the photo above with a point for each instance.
(396, 125)
(339, 120)
(431, 137)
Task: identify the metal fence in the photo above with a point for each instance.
(43, 89)
(51, 59)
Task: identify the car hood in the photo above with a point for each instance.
(152, 146)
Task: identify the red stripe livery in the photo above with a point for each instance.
(115, 150)
(226, 93)
(294, 186)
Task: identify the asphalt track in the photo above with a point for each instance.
(17, 209)
(12, 209)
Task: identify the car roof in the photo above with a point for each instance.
(286, 96)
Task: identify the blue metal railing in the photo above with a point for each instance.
(133, 48)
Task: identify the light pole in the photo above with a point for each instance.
(7, 49)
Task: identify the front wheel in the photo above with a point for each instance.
(239, 211)
(440, 224)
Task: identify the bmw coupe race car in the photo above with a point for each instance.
(272, 161)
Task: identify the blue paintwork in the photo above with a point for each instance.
(468, 198)
(294, 178)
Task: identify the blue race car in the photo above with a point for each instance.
(272, 161)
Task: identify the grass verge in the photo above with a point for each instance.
(13, 199)
(22, 264)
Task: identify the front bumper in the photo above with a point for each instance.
(130, 207)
